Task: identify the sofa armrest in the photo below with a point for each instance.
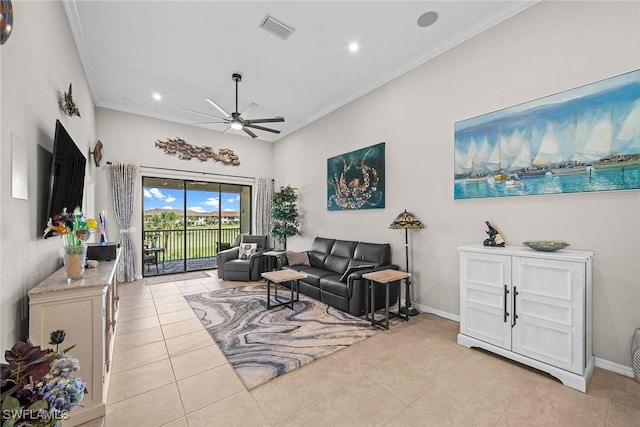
(228, 254)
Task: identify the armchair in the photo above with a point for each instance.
(230, 267)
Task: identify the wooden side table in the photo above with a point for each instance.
(385, 278)
(279, 277)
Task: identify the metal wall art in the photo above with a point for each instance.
(67, 105)
(6, 20)
(186, 151)
(355, 180)
(581, 140)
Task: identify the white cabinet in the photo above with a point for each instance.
(86, 309)
(532, 307)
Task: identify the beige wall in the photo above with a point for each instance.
(38, 60)
(551, 47)
(130, 138)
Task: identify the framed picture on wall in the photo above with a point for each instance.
(355, 180)
(581, 140)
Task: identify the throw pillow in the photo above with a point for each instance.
(247, 250)
(297, 258)
(354, 268)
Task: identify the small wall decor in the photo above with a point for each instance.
(355, 180)
(67, 105)
(186, 151)
(581, 140)
(6, 20)
(97, 153)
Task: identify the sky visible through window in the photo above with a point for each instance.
(198, 201)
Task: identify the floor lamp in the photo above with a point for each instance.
(407, 220)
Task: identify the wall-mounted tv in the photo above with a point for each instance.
(67, 173)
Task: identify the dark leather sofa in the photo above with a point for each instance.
(329, 259)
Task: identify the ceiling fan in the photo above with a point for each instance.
(237, 120)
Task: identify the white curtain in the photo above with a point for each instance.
(264, 193)
(123, 183)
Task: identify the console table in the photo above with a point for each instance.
(86, 309)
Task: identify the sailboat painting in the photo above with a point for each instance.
(584, 139)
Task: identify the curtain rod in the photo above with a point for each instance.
(193, 172)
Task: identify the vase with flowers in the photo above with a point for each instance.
(37, 385)
(75, 229)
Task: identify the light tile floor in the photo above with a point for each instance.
(167, 371)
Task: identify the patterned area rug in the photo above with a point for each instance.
(261, 344)
(175, 277)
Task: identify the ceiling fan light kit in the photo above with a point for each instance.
(238, 120)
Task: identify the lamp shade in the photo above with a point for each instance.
(406, 220)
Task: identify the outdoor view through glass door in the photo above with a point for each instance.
(186, 223)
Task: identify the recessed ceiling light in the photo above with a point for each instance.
(354, 47)
(427, 19)
(156, 96)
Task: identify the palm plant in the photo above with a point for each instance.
(284, 212)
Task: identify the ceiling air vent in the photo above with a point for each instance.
(272, 25)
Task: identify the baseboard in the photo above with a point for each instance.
(600, 363)
(426, 309)
(614, 367)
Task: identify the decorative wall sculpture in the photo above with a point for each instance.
(67, 105)
(580, 140)
(186, 151)
(355, 180)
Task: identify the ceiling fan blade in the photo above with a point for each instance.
(203, 114)
(222, 110)
(271, 120)
(208, 123)
(251, 134)
(261, 128)
(250, 109)
(227, 130)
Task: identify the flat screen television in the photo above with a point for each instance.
(67, 173)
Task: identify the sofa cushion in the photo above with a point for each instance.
(332, 284)
(313, 274)
(373, 252)
(237, 265)
(247, 250)
(316, 259)
(337, 264)
(320, 244)
(343, 248)
(297, 258)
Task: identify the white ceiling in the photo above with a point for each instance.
(188, 50)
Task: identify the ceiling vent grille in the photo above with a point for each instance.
(277, 28)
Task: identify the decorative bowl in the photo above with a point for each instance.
(546, 245)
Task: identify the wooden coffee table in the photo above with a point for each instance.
(279, 277)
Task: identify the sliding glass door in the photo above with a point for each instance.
(187, 222)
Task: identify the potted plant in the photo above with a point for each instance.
(284, 212)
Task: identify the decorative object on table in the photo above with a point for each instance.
(545, 245)
(407, 220)
(285, 215)
(37, 386)
(75, 229)
(67, 105)
(355, 180)
(97, 153)
(236, 120)
(186, 151)
(102, 228)
(288, 339)
(635, 355)
(6, 20)
(583, 139)
(495, 238)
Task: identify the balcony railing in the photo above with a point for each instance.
(201, 242)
